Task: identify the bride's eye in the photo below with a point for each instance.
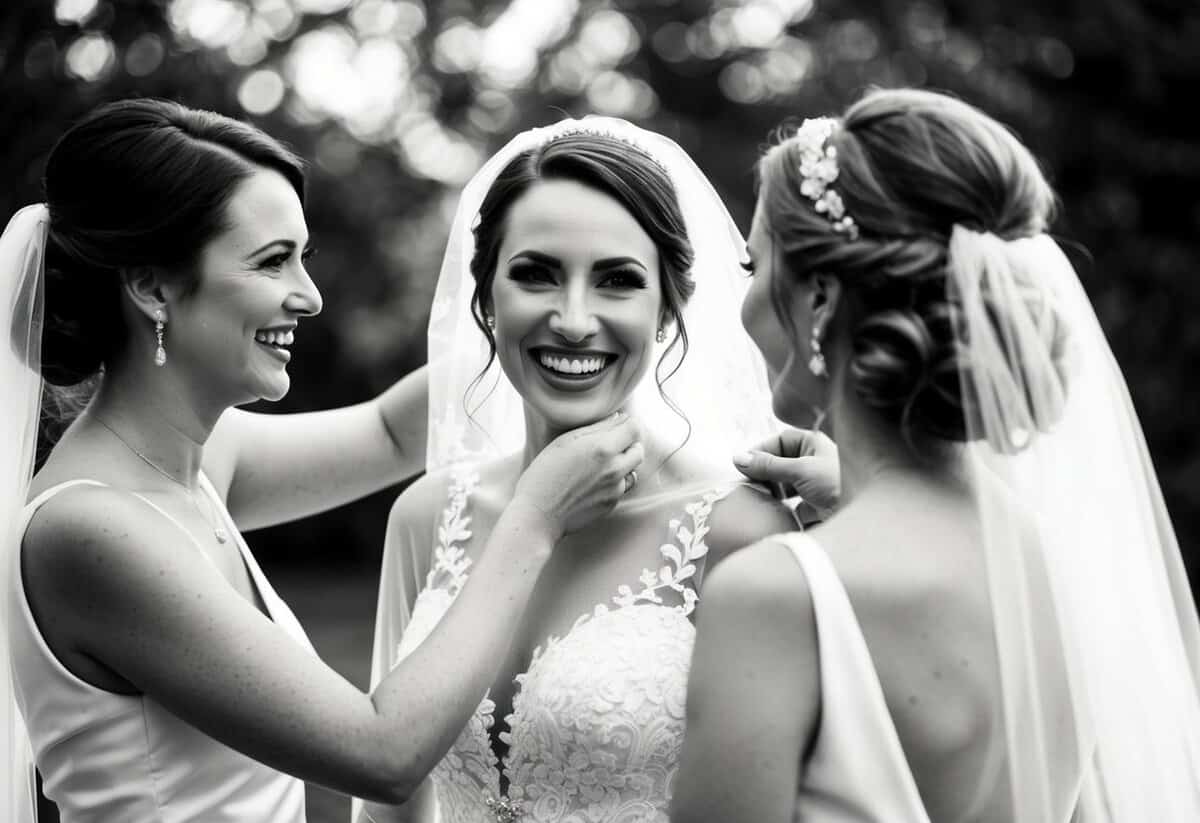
(623, 279)
(530, 273)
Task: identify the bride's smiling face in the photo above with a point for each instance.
(577, 301)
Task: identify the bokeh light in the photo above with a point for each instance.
(144, 55)
(261, 91)
(74, 11)
(91, 57)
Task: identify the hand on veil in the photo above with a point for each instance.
(582, 474)
(797, 463)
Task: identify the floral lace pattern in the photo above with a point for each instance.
(597, 723)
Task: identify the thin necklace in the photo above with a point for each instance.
(209, 516)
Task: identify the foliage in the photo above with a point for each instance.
(396, 102)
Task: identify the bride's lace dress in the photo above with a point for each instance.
(597, 723)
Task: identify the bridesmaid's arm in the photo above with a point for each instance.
(753, 692)
(272, 468)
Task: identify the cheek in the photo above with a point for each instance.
(763, 326)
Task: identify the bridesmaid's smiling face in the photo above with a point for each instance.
(577, 301)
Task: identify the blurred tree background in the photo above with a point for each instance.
(396, 102)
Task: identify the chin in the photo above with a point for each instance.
(567, 416)
(274, 390)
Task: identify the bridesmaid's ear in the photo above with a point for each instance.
(824, 297)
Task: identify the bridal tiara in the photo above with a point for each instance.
(597, 130)
(818, 167)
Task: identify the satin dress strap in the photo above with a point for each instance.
(857, 770)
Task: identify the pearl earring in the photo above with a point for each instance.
(490, 321)
(661, 335)
(160, 323)
(816, 362)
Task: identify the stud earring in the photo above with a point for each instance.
(816, 362)
(661, 335)
(490, 322)
(160, 323)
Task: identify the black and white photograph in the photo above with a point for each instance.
(599, 411)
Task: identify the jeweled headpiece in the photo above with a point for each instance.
(597, 129)
(818, 167)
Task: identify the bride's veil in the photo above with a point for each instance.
(22, 258)
(475, 415)
(1089, 596)
(721, 386)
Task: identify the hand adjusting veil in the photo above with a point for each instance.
(1088, 590)
(721, 385)
(22, 257)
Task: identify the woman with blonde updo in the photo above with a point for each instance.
(995, 625)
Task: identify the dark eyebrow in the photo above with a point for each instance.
(615, 262)
(288, 244)
(599, 265)
(537, 257)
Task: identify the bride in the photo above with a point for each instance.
(597, 257)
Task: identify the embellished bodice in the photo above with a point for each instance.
(597, 720)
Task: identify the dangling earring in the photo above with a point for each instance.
(661, 335)
(816, 362)
(490, 322)
(160, 323)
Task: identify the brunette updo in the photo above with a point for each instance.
(136, 183)
(913, 167)
(612, 167)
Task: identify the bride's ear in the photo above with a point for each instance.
(148, 289)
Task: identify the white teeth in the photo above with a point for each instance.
(275, 338)
(583, 365)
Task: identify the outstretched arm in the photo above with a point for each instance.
(139, 599)
(273, 468)
(753, 692)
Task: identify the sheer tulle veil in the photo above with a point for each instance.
(1089, 596)
(22, 256)
(721, 386)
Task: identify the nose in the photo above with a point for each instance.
(573, 320)
(305, 298)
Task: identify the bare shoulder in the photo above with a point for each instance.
(745, 516)
(89, 528)
(97, 561)
(761, 581)
(423, 500)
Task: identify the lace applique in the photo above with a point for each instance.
(448, 571)
(681, 564)
(597, 722)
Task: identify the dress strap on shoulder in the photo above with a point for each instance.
(684, 548)
(856, 726)
(44, 497)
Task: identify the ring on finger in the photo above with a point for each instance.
(630, 481)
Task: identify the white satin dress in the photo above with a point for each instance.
(114, 758)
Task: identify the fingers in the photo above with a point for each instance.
(791, 443)
(629, 460)
(765, 467)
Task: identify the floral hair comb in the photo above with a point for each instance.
(818, 167)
